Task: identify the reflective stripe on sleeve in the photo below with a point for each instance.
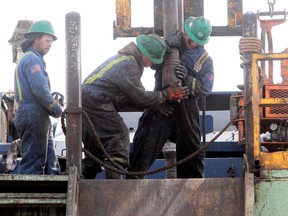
(107, 67)
(193, 86)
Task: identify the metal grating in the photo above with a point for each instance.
(276, 91)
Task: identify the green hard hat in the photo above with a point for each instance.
(198, 29)
(41, 26)
(152, 46)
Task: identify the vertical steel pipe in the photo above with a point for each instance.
(158, 16)
(249, 30)
(73, 91)
(170, 25)
(170, 16)
(169, 151)
(180, 15)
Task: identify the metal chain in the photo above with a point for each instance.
(195, 153)
(97, 140)
(122, 171)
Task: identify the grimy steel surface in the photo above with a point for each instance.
(167, 197)
(25, 195)
(73, 98)
(249, 30)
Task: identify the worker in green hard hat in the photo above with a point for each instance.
(198, 29)
(38, 29)
(152, 47)
(111, 87)
(36, 103)
(182, 127)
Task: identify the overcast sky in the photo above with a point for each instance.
(97, 42)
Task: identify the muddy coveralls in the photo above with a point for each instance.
(35, 105)
(182, 127)
(114, 85)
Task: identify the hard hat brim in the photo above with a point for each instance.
(26, 35)
(197, 41)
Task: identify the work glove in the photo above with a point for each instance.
(175, 92)
(163, 109)
(59, 97)
(181, 73)
(174, 40)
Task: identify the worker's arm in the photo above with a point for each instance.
(39, 83)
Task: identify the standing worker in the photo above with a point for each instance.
(112, 86)
(182, 127)
(35, 102)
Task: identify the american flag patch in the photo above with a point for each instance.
(211, 76)
(35, 68)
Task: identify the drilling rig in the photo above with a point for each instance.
(256, 183)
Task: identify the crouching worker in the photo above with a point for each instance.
(116, 84)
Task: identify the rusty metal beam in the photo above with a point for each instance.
(132, 32)
(73, 98)
(234, 20)
(234, 13)
(122, 26)
(193, 8)
(73, 192)
(123, 13)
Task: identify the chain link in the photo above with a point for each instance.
(122, 171)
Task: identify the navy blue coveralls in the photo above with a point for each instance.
(182, 127)
(35, 105)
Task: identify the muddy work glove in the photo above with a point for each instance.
(163, 109)
(181, 73)
(175, 92)
(174, 40)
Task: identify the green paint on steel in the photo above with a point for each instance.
(274, 173)
(271, 197)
